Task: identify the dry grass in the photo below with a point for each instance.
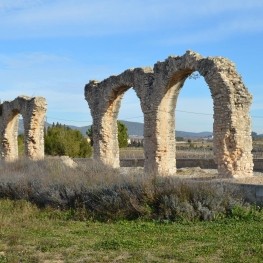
(132, 153)
(97, 192)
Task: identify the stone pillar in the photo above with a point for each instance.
(159, 143)
(104, 106)
(150, 149)
(232, 141)
(9, 132)
(34, 125)
(105, 140)
(232, 124)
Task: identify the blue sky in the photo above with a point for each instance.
(53, 48)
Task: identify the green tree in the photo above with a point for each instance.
(122, 134)
(21, 144)
(62, 140)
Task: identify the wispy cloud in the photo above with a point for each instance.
(15, 5)
(30, 60)
(219, 31)
(85, 18)
(60, 79)
(44, 65)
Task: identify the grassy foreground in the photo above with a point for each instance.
(30, 234)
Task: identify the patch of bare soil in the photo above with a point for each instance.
(257, 179)
(197, 172)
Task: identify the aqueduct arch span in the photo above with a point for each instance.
(33, 111)
(158, 89)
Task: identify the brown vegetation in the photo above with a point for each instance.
(103, 193)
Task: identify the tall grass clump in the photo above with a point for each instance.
(94, 191)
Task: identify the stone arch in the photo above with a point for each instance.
(33, 110)
(104, 99)
(158, 89)
(231, 100)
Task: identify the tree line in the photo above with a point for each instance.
(62, 140)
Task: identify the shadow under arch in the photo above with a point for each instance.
(33, 110)
(158, 89)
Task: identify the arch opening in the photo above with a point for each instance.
(109, 132)
(130, 114)
(194, 115)
(165, 123)
(21, 137)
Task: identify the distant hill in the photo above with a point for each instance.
(193, 134)
(134, 128)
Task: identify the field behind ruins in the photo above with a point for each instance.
(192, 148)
(53, 213)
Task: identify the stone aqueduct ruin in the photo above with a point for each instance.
(33, 110)
(158, 89)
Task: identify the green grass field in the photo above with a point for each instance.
(28, 234)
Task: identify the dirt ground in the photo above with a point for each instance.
(198, 173)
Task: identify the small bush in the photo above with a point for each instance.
(246, 212)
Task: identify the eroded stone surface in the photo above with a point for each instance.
(66, 160)
(158, 89)
(33, 110)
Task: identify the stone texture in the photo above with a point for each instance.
(158, 89)
(33, 110)
(66, 160)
